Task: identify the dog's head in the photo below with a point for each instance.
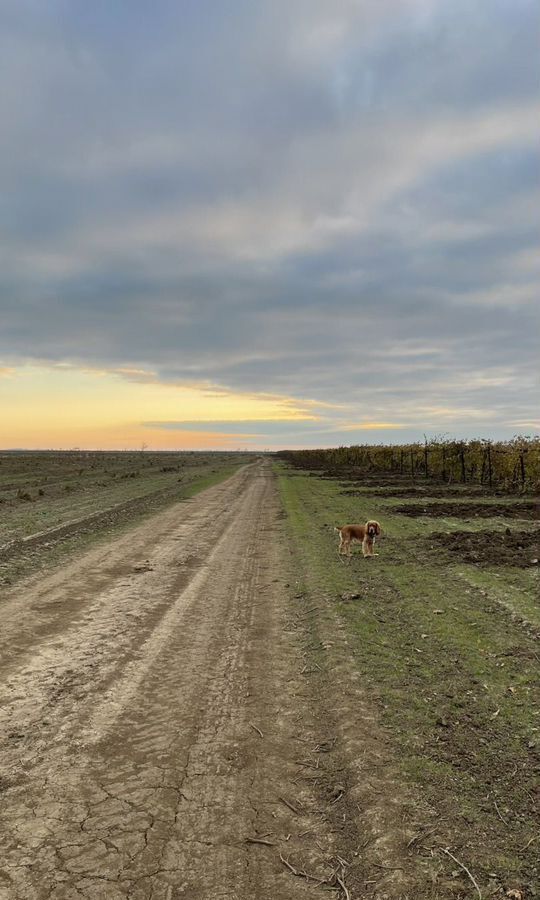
(373, 528)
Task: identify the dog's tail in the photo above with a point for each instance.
(337, 528)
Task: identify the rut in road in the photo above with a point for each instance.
(152, 716)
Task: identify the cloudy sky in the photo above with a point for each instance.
(266, 223)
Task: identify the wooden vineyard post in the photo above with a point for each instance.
(483, 472)
(462, 458)
(490, 468)
(522, 467)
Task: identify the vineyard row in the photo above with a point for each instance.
(512, 466)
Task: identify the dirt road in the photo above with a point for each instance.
(179, 719)
(152, 720)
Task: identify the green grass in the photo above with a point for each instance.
(444, 654)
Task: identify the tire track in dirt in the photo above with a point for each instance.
(155, 723)
(44, 606)
(83, 624)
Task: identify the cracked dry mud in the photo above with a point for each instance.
(133, 685)
(161, 736)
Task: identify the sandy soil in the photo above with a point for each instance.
(151, 726)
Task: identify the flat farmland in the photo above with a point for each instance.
(53, 504)
(199, 699)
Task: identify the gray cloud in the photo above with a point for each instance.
(330, 200)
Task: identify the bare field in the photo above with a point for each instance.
(204, 702)
(162, 731)
(53, 504)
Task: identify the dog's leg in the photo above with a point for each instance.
(343, 546)
(367, 547)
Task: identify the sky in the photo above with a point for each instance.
(259, 223)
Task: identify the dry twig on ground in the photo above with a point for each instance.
(465, 869)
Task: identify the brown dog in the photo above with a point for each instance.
(363, 534)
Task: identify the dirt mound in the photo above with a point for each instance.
(370, 479)
(429, 491)
(520, 510)
(491, 548)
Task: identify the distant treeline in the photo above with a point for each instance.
(506, 465)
